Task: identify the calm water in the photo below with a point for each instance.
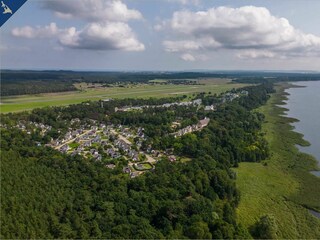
(304, 104)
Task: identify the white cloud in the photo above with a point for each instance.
(255, 54)
(93, 10)
(94, 36)
(179, 46)
(191, 45)
(38, 32)
(106, 28)
(103, 36)
(188, 57)
(245, 28)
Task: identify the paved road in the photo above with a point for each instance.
(72, 140)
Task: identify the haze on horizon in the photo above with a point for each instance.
(163, 35)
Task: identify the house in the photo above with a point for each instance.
(76, 152)
(135, 157)
(98, 157)
(134, 174)
(209, 108)
(97, 139)
(68, 136)
(112, 153)
(110, 166)
(126, 170)
(64, 148)
(197, 102)
(122, 145)
(244, 92)
(104, 141)
(94, 152)
(87, 143)
(172, 158)
(75, 120)
(175, 124)
(204, 122)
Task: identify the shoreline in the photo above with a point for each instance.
(281, 186)
(301, 147)
(306, 143)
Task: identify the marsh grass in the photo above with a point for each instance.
(281, 186)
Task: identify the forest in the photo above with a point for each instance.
(48, 194)
(33, 82)
(19, 82)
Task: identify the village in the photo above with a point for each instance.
(112, 143)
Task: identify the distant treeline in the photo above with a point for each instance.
(281, 77)
(35, 87)
(33, 82)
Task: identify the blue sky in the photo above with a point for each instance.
(163, 35)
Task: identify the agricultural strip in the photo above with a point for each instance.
(28, 102)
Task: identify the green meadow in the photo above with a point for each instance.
(28, 102)
(282, 186)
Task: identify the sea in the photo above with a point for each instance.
(304, 105)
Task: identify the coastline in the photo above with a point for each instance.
(281, 186)
(301, 147)
(283, 105)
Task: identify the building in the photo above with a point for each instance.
(209, 108)
(110, 166)
(204, 122)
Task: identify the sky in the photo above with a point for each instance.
(163, 35)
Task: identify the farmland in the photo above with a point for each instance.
(85, 93)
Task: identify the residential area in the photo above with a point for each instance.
(112, 143)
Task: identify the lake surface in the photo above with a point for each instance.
(304, 104)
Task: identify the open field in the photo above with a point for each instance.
(158, 81)
(281, 186)
(28, 102)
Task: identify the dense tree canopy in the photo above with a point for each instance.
(47, 194)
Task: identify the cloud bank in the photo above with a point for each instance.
(93, 10)
(106, 28)
(253, 32)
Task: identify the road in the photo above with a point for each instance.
(72, 140)
(149, 158)
(121, 137)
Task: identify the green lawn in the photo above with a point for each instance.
(283, 185)
(185, 159)
(158, 81)
(28, 102)
(144, 166)
(74, 145)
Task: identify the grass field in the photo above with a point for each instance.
(282, 186)
(28, 102)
